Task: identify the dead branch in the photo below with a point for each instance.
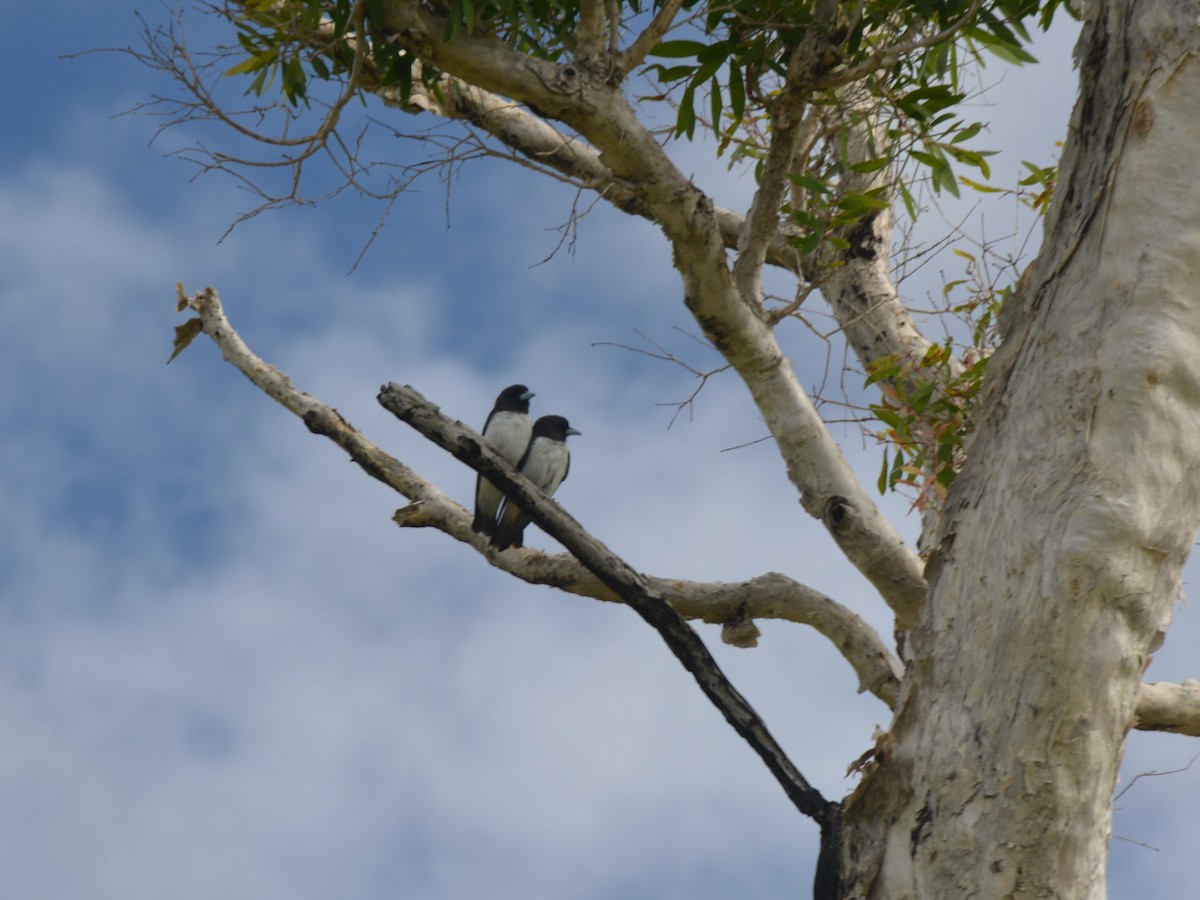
(769, 596)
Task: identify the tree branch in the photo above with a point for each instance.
(1169, 707)
(633, 57)
(590, 34)
(735, 606)
(602, 115)
(468, 447)
(170, 55)
(788, 124)
(859, 288)
(536, 139)
(1161, 706)
(906, 44)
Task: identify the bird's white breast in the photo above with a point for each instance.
(546, 464)
(508, 433)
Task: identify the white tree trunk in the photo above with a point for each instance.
(1059, 556)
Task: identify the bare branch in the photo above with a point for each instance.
(769, 596)
(860, 289)
(175, 58)
(666, 355)
(613, 10)
(1153, 773)
(590, 34)
(650, 38)
(536, 139)
(908, 43)
(1163, 706)
(788, 126)
(618, 576)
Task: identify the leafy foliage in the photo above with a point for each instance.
(1042, 179)
(925, 406)
(739, 53)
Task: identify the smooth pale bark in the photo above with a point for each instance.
(1059, 557)
(857, 282)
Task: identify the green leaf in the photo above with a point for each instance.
(858, 203)
(889, 417)
(679, 49)
(808, 242)
(881, 368)
(259, 83)
(453, 20)
(686, 120)
(974, 158)
(737, 93)
(715, 53)
(944, 179)
(967, 133)
(673, 73)
(810, 183)
(714, 98)
(919, 398)
(870, 165)
(254, 63)
(295, 85)
(979, 187)
(910, 203)
(1006, 48)
(929, 159)
(898, 467)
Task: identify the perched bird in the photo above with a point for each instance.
(508, 430)
(546, 463)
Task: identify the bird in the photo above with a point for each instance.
(508, 429)
(546, 462)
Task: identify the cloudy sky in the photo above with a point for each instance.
(225, 673)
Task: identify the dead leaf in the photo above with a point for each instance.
(184, 335)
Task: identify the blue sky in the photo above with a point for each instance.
(225, 673)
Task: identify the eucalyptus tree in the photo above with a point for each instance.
(1052, 456)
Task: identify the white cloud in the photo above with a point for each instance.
(228, 674)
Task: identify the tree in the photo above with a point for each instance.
(1052, 458)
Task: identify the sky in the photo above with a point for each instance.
(225, 673)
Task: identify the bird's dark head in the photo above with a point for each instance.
(554, 427)
(514, 398)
